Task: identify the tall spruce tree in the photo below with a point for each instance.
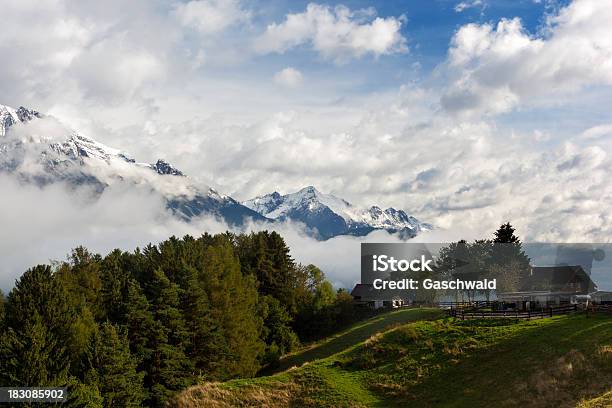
(199, 322)
(2, 300)
(113, 369)
(114, 288)
(233, 299)
(170, 370)
(508, 251)
(37, 329)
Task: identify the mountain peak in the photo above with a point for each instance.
(10, 116)
(164, 168)
(25, 114)
(330, 215)
(309, 192)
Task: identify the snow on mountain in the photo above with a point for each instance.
(10, 116)
(38, 149)
(28, 152)
(328, 215)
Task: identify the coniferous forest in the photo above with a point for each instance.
(132, 328)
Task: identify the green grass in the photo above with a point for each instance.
(352, 336)
(562, 362)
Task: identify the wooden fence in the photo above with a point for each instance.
(597, 308)
(464, 314)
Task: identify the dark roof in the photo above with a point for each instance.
(559, 278)
(366, 292)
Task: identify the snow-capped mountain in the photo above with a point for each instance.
(28, 153)
(38, 149)
(328, 216)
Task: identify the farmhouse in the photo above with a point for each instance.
(365, 295)
(550, 286)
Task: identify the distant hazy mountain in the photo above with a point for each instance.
(328, 216)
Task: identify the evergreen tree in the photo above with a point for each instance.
(2, 300)
(505, 234)
(508, 250)
(37, 330)
(277, 332)
(233, 301)
(199, 321)
(81, 279)
(114, 288)
(113, 369)
(170, 369)
(141, 327)
(266, 256)
(139, 323)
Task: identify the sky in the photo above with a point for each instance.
(466, 114)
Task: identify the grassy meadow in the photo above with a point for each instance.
(416, 357)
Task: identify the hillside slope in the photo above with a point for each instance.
(564, 361)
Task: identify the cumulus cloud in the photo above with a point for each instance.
(494, 68)
(211, 16)
(288, 77)
(336, 33)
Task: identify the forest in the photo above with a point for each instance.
(133, 328)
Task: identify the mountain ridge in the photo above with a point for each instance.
(330, 216)
(81, 161)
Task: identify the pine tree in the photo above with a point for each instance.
(233, 301)
(505, 234)
(81, 278)
(2, 300)
(37, 330)
(199, 321)
(170, 369)
(113, 369)
(277, 332)
(508, 251)
(140, 325)
(115, 286)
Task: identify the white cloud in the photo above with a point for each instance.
(126, 217)
(464, 5)
(337, 34)
(493, 69)
(131, 70)
(288, 77)
(211, 16)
